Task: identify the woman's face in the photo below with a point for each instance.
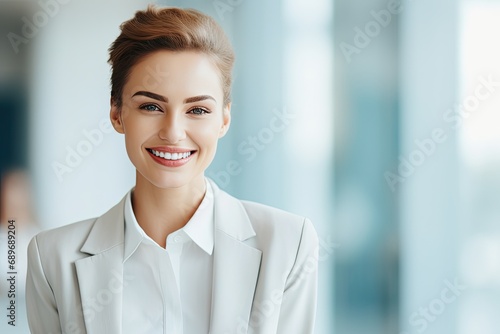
(172, 116)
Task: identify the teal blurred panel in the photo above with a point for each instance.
(366, 146)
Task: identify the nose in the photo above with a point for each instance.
(172, 129)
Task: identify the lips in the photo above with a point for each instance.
(171, 156)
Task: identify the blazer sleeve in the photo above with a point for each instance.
(41, 307)
(298, 307)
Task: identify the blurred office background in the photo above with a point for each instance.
(390, 142)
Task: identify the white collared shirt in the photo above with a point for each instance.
(172, 288)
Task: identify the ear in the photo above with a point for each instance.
(226, 120)
(115, 116)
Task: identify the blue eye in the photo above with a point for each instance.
(150, 107)
(199, 111)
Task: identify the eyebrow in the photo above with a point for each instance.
(151, 95)
(164, 99)
(199, 98)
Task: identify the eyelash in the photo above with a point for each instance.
(205, 111)
(145, 106)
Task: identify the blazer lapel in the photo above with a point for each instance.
(236, 266)
(100, 276)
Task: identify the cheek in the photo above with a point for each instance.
(136, 132)
(133, 147)
(206, 135)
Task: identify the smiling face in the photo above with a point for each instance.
(172, 116)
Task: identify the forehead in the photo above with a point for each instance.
(173, 72)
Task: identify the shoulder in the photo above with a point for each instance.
(268, 219)
(64, 241)
(67, 233)
(271, 217)
(285, 232)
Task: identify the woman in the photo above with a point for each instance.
(177, 254)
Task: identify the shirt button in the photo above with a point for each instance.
(178, 238)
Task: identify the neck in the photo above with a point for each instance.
(160, 212)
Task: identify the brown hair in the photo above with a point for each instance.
(171, 29)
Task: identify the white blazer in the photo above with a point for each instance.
(265, 273)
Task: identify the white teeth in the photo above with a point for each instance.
(171, 156)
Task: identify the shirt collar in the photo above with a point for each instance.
(200, 228)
